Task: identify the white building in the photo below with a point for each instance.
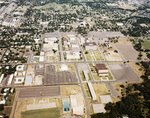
(19, 80)
(20, 68)
(1, 78)
(90, 46)
(10, 79)
(72, 55)
(3, 102)
(77, 104)
(92, 91)
(64, 67)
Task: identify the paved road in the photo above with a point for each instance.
(81, 50)
(30, 57)
(87, 106)
(112, 89)
(60, 46)
(69, 62)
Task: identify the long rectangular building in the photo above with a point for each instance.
(92, 91)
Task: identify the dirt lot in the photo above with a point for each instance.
(112, 56)
(70, 90)
(100, 89)
(22, 104)
(127, 51)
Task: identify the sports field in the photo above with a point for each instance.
(41, 113)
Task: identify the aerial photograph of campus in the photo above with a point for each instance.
(74, 58)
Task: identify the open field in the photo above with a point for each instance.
(146, 44)
(124, 41)
(98, 55)
(41, 113)
(21, 107)
(139, 70)
(124, 73)
(70, 90)
(88, 57)
(100, 89)
(112, 56)
(127, 51)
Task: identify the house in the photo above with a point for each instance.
(72, 55)
(101, 70)
(90, 46)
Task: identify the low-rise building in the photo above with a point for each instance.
(72, 55)
(92, 90)
(101, 70)
(77, 104)
(1, 78)
(90, 46)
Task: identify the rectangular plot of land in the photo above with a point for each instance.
(105, 99)
(35, 92)
(124, 73)
(127, 51)
(41, 106)
(61, 77)
(99, 108)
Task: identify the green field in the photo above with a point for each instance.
(82, 76)
(88, 57)
(98, 56)
(41, 113)
(146, 44)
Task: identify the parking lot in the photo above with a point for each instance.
(124, 73)
(35, 92)
(61, 77)
(127, 51)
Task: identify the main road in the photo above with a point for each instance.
(69, 62)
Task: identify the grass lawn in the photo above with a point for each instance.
(70, 90)
(91, 65)
(41, 113)
(85, 86)
(93, 70)
(96, 77)
(88, 93)
(88, 57)
(82, 76)
(71, 67)
(100, 89)
(98, 56)
(89, 76)
(146, 44)
(7, 110)
(10, 100)
(110, 76)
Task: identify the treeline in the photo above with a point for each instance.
(135, 102)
